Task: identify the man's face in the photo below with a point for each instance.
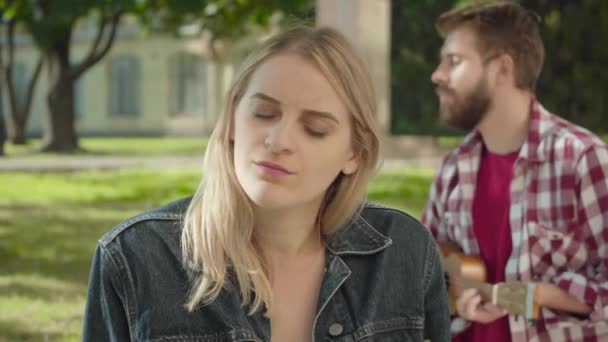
(461, 81)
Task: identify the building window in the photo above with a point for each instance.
(188, 84)
(125, 79)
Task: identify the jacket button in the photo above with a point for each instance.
(336, 329)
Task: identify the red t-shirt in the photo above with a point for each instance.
(493, 233)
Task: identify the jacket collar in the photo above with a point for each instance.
(358, 237)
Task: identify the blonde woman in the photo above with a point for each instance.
(277, 243)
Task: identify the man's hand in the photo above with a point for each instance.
(470, 307)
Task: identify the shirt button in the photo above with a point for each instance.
(336, 329)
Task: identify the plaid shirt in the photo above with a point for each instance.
(558, 216)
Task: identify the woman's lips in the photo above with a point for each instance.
(272, 168)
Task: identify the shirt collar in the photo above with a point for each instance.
(541, 124)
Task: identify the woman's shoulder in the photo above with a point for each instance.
(159, 223)
(394, 223)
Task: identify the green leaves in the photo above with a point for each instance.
(53, 19)
(225, 19)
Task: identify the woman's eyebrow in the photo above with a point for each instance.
(311, 112)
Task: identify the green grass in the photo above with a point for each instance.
(450, 142)
(124, 146)
(155, 146)
(50, 223)
(406, 190)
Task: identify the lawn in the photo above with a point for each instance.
(49, 225)
(131, 146)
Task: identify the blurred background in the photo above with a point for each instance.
(106, 106)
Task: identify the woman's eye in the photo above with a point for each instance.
(315, 133)
(263, 116)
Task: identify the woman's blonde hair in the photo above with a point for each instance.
(217, 236)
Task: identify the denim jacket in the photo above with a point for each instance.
(383, 282)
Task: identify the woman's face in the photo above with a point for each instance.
(292, 135)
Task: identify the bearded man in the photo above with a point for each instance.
(526, 191)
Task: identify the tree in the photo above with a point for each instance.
(51, 24)
(224, 20)
(415, 46)
(2, 133)
(17, 109)
(573, 82)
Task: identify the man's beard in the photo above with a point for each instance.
(465, 111)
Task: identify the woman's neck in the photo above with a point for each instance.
(288, 233)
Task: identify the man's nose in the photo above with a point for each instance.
(439, 76)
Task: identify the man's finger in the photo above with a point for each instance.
(494, 310)
(463, 299)
(472, 305)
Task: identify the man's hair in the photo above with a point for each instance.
(502, 27)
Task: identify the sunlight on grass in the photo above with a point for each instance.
(149, 186)
(120, 146)
(38, 308)
(173, 146)
(450, 142)
(406, 190)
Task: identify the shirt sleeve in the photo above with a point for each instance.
(433, 211)
(105, 318)
(432, 219)
(592, 186)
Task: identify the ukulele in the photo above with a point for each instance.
(469, 271)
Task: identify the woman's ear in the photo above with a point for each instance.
(352, 164)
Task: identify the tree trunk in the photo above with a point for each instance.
(2, 135)
(60, 133)
(18, 113)
(22, 115)
(19, 137)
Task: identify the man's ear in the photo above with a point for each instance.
(506, 69)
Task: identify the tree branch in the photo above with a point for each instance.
(103, 23)
(96, 53)
(8, 67)
(7, 73)
(29, 96)
(10, 43)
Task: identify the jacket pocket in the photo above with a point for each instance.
(409, 329)
(237, 335)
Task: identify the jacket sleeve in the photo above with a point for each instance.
(592, 186)
(105, 317)
(436, 312)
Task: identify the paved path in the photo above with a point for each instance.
(79, 163)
